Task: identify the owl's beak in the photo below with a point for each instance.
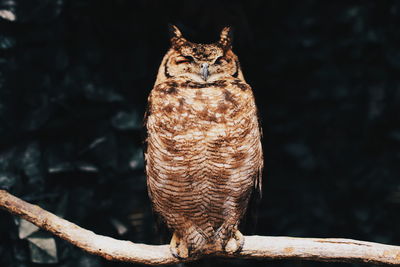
(204, 71)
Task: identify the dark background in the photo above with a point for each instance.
(74, 79)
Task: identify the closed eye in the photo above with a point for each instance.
(184, 59)
(219, 60)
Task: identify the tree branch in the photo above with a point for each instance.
(255, 247)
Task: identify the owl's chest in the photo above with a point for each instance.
(204, 106)
(198, 105)
(200, 123)
(200, 113)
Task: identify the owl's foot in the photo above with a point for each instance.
(178, 247)
(235, 243)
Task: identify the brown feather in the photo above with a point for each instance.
(204, 154)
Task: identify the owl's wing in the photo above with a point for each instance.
(258, 180)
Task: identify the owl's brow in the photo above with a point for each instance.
(199, 51)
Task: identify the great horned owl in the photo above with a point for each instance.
(204, 154)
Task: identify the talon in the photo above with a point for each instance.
(178, 247)
(235, 243)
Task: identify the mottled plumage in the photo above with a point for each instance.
(203, 155)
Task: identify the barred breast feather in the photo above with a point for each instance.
(203, 157)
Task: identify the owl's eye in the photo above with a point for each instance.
(184, 59)
(219, 60)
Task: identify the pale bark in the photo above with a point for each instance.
(255, 247)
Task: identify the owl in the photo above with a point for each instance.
(203, 151)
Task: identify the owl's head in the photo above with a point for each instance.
(200, 62)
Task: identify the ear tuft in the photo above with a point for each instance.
(225, 38)
(177, 38)
(174, 31)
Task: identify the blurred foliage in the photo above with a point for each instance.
(75, 75)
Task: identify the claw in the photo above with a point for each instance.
(178, 247)
(235, 243)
